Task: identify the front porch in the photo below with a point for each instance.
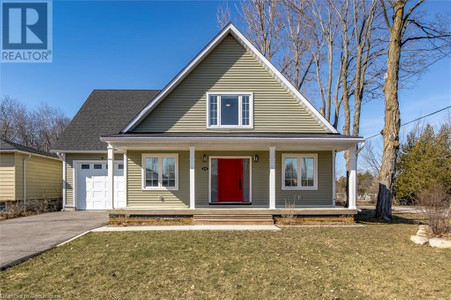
(201, 174)
(310, 211)
(229, 216)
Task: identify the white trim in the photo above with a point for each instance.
(316, 206)
(210, 46)
(111, 175)
(334, 180)
(84, 151)
(75, 163)
(209, 178)
(240, 110)
(192, 176)
(125, 157)
(299, 157)
(272, 177)
(352, 186)
(160, 171)
(227, 138)
(63, 156)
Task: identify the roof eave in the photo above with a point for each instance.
(110, 139)
(28, 153)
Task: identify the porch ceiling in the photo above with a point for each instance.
(284, 142)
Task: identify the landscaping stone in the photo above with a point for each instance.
(421, 237)
(420, 240)
(422, 231)
(440, 243)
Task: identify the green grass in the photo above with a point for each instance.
(375, 261)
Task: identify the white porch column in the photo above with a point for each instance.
(125, 179)
(272, 177)
(352, 186)
(111, 175)
(192, 186)
(334, 180)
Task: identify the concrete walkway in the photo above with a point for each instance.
(25, 237)
(398, 209)
(186, 228)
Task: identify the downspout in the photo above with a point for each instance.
(25, 182)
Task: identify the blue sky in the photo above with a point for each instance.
(144, 44)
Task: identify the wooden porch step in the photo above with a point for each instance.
(228, 219)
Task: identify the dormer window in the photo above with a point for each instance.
(230, 110)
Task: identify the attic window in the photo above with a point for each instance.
(230, 110)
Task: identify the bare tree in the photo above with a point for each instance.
(367, 52)
(408, 32)
(12, 116)
(49, 123)
(340, 37)
(371, 158)
(223, 14)
(262, 18)
(38, 129)
(297, 60)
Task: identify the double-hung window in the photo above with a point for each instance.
(160, 171)
(230, 110)
(299, 171)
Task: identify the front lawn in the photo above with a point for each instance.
(375, 261)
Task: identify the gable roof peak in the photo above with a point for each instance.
(230, 29)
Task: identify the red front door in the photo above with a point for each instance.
(230, 180)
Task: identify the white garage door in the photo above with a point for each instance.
(92, 185)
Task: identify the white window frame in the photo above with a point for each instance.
(160, 157)
(240, 110)
(299, 157)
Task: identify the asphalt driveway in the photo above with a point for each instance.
(26, 237)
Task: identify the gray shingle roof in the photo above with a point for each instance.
(105, 112)
(6, 146)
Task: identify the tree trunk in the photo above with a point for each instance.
(329, 81)
(392, 116)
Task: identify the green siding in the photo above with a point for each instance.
(321, 196)
(260, 178)
(229, 68)
(70, 170)
(137, 197)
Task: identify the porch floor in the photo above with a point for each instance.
(305, 211)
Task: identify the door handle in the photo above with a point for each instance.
(239, 183)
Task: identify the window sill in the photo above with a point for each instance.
(313, 188)
(160, 189)
(230, 127)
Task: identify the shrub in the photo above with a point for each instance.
(423, 161)
(16, 209)
(434, 203)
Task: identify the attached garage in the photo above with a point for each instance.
(91, 185)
